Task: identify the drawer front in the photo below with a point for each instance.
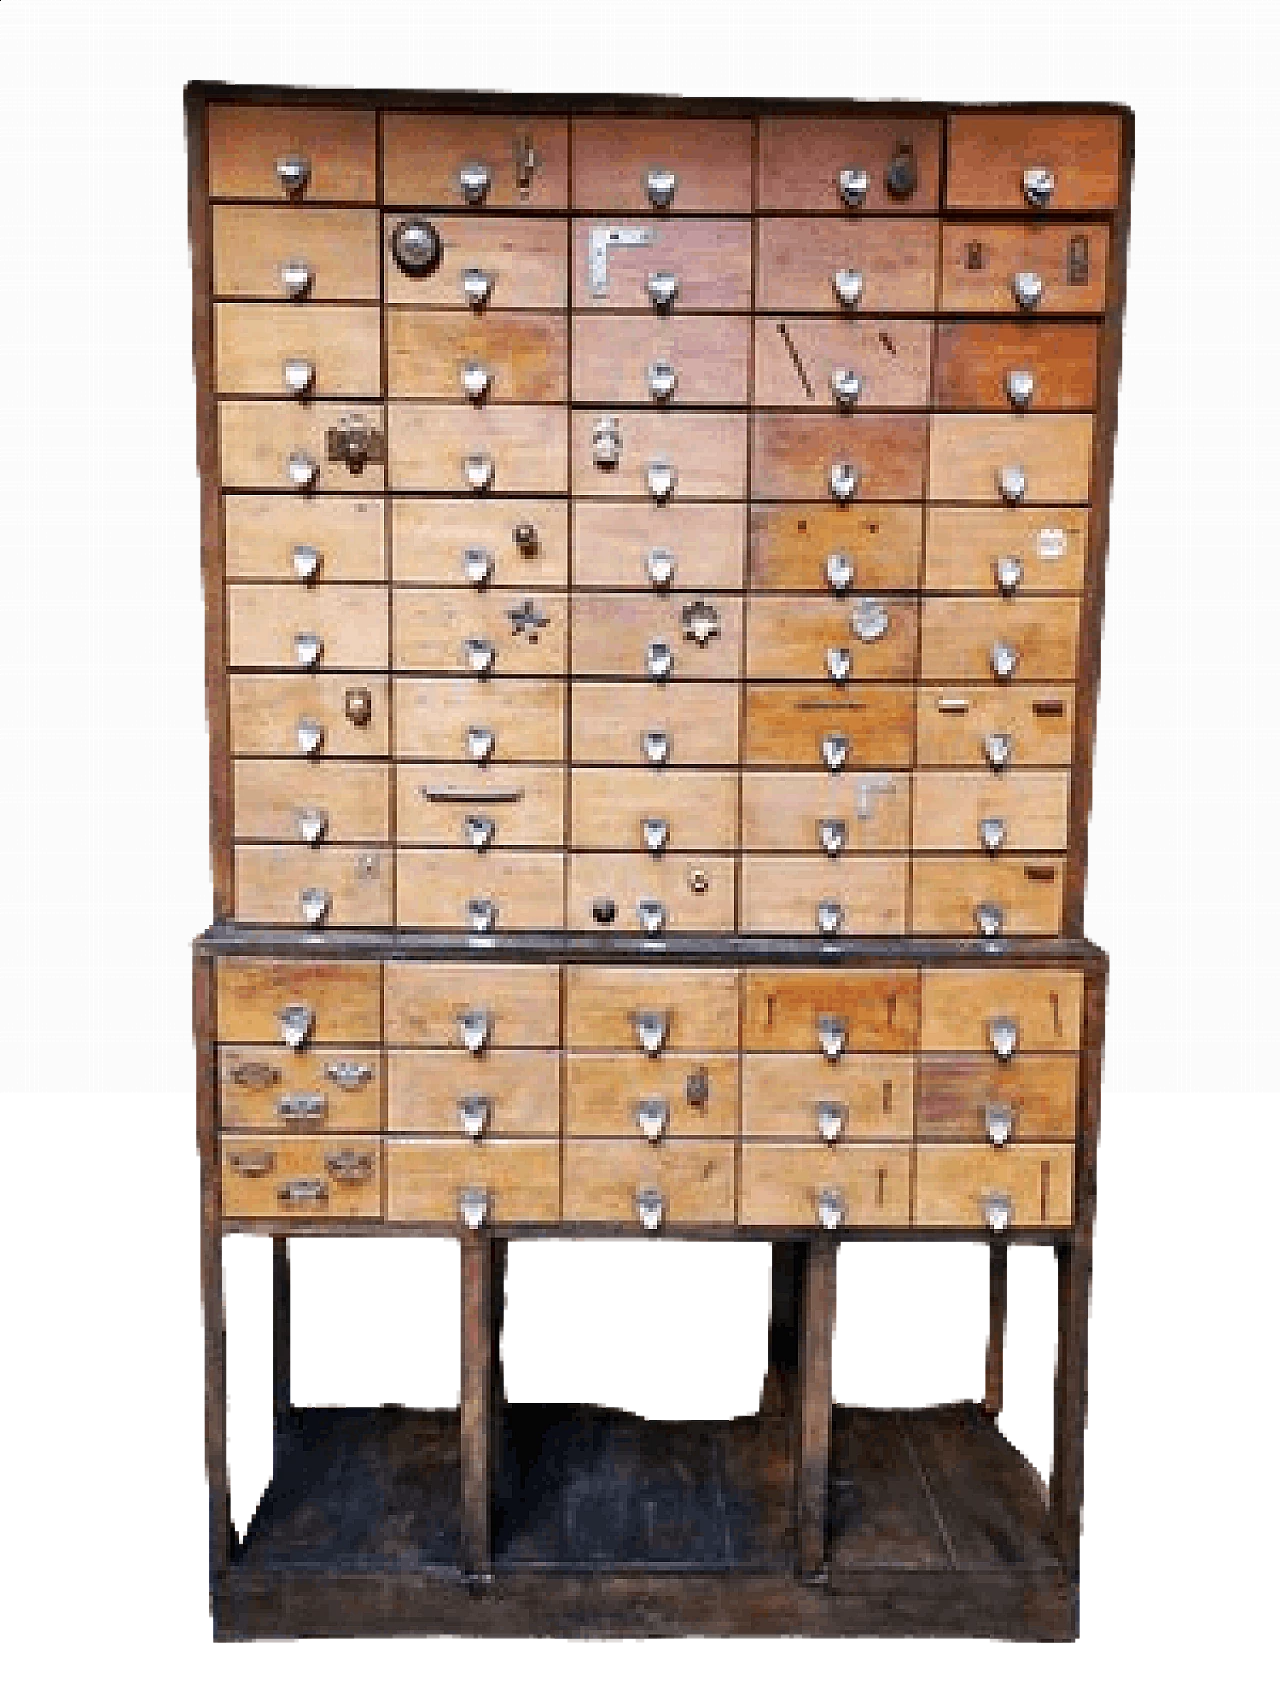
(957, 725)
(813, 1185)
(949, 895)
(695, 722)
(461, 719)
(800, 364)
(275, 1089)
(791, 545)
(968, 454)
(683, 1008)
(1029, 1187)
(263, 533)
(613, 359)
(688, 1182)
(254, 341)
(426, 1004)
(317, 628)
(959, 637)
(696, 547)
(614, 160)
(981, 262)
(856, 812)
(284, 800)
(958, 1091)
(960, 810)
(628, 1096)
(688, 810)
(974, 364)
(862, 895)
(989, 153)
(259, 439)
(794, 455)
(503, 806)
(967, 547)
(782, 1009)
(829, 639)
(438, 890)
(522, 448)
(431, 539)
(525, 158)
(525, 263)
(962, 1008)
(707, 452)
(525, 357)
(293, 716)
(500, 1093)
(338, 145)
(896, 261)
(343, 999)
(331, 1179)
(694, 894)
(427, 1177)
(312, 886)
(440, 629)
(822, 727)
(808, 1096)
(337, 247)
(710, 260)
(639, 635)
(801, 161)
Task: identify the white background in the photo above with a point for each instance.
(104, 1545)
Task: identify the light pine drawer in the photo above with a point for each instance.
(525, 263)
(614, 635)
(695, 1007)
(959, 637)
(275, 627)
(335, 247)
(696, 809)
(792, 544)
(698, 721)
(895, 262)
(426, 1002)
(1028, 1187)
(436, 889)
(434, 630)
(968, 546)
(508, 1092)
(526, 541)
(273, 1088)
(710, 260)
(514, 806)
(708, 453)
(710, 357)
(956, 810)
(808, 1096)
(701, 547)
(795, 453)
(524, 356)
(685, 1096)
(282, 800)
(796, 812)
(342, 999)
(525, 157)
(328, 716)
(1042, 1006)
(870, 638)
(314, 887)
(798, 362)
(430, 444)
(801, 160)
(516, 1180)
(259, 440)
(341, 346)
(265, 532)
(694, 892)
(782, 895)
(948, 894)
(688, 1182)
(873, 1010)
(815, 1185)
(799, 726)
(514, 719)
(265, 1176)
(967, 454)
(338, 145)
(956, 724)
(710, 159)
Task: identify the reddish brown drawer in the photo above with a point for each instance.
(502, 160)
(1032, 1096)
(982, 266)
(682, 165)
(869, 364)
(821, 548)
(517, 357)
(487, 263)
(709, 260)
(991, 364)
(999, 160)
(807, 456)
(804, 160)
(828, 266)
(292, 153)
(783, 1009)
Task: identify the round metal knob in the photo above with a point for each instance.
(660, 478)
(649, 1208)
(1019, 387)
(302, 470)
(660, 565)
(480, 657)
(833, 834)
(473, 1207)
(1002, 1034)
(901, 175)
(1008, 574)
(314, 905)
(652, 916)
(839, 663)
(844, 479)
(313, 825)
(473, 183)
(656, 833)
(306, 562)
(307, 650)
(854, 182)
(661, 377)
(835, 752)
(660, 187)
(998, 749)
(480, 744)
(606, 442)
(310, 736)
(662, 288)
(846, 387)
(848, 284)
(1011, 482)
(478, 471)
(992, 833)
(479, 831)
(294, 173)
(297, 1021)
(482, 915)
(299, 375)
(1027, 288)
(839, 572)
(416, 247)
(477, 286)
(1004, 660)
(1037, 185)
(477, 564)
(297, 278)
(831, 1209)
(475, 381)
(989, 918)
(659, 660)
(830, 917)
(657, 746)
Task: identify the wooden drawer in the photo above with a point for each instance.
(710, 358)
(253, 341)
(517, 806)
(968, 452)
(797, 728)
(692, 1177)
(612, 1095)
(612, 543)
(863, 1185)
(946, 894)
(966, 547)
(696, 894)
(526, 356)
(1043, 1005)
(329, 1179)
(808, 639)
(274, 1089)
(282, 715)
(426, 1178)
(782, 896)
(956, 1091)
(343, 999)
(698, 722)
(259, 438)
(857, 811)
(262, 534)
(286, 886)
(525, 262)
(710, 260)
(613, 634)
(338, 144)
(429, 445)
(988, 153)
(801, 160)
(337, 248)
(781, 1008)
(955, 725)
(698, 808)
(980, 262)
(794, 455)
(974, 362)
(791, 545)
(435, 889)
(431, 536)
(956, 1185)
(526, 157)
(896, 260)
(516, 1093)
(444, 719)
(798, 361)
(707, 451)
(433, 629)
(958, 636)
(276, 627)
(697, 1006)
(278, 800)
(710, 159)
(792, 1096)
(425, 1003)
(951, 808)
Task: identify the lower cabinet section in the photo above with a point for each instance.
(814, 1185)
(455, 1182)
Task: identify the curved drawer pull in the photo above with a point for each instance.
(830, 917)
(348, 1075)
(652, 915)
(296, 278)
(349, 1167)
(1038, 185)
(302, 1106)
(314, 904)
(853, 184)
(473, 184)
(252, 1164)
(848, 284)
(294, 173)
(303, 1191)
(477, 286)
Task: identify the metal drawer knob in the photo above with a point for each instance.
(848, 284)
(1004, 660)
(479, 830)
(835, 751)
(294, 173)
(651, 1028)
(1002, 1034)
(474, 1114)
(999, 750)
(296, 278)
(473, 1207)
(310, 736)
(313, 824)
(663, 289)
(606, 442)
(416, 247)
(477, 564)
(844, 479)
(839, 663)
(652, 916)
(480, 744)
(1037, 185)
(474, 1026)
(660, 565)
(297, 1022)
(302, 471)
(992, 833)
(477, 286)
(833, 834)
(478, 471)
(1008, 574)
(473, 182)
(989, 918)
(997, 1211)
(1011, 482)
(480, 657)
(348, 1075)
(660, 478)
(1019, 387)
(846, 387)
(831, 1120)
(871, 620)
(659, 660)
(475, 381)
(839, 572)
(831, 1209)
(652, 1115)
(660, 186)
(314, 904)
(1027, 288)
(358, 705)
(306, 563)
(302, 1106)
(830, 917)
(854, 182)
(299, 375)
(661, 378)
(657, 746)
(308, 650)
(482, 915)
(656, 832)
(649, 1208)
(832, 1036)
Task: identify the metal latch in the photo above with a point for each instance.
(355, 442)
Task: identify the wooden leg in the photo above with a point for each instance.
(281, 1320)
(222, 1535)
(993, 1400)
(1066, 1484)
(477, 1404)
(499, 1301)
(817, 1325)
(778, 1395)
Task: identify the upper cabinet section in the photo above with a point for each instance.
(293, 154)
(633, 165)
(1039, 162)
(475, 160)
(824, 165)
